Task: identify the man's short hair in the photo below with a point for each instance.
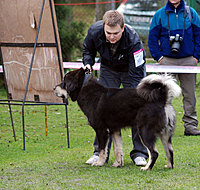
(112, 18)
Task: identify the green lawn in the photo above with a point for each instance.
(47, 163)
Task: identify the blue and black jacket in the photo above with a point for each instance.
(159, 32)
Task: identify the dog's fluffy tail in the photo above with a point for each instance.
(160, 88)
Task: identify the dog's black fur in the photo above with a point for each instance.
(108, 110)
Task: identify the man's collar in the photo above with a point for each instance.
(169, 7)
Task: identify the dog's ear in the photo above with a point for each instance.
(73, 83)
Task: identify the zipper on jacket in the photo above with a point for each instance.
(176, 17)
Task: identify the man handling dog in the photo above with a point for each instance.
(174, 39)
(122, 63)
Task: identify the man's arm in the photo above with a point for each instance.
(89, 51)
(137, 70)
(196, 34)
(154, 37)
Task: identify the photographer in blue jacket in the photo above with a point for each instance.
(174, 39)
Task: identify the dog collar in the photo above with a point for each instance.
(87, 75)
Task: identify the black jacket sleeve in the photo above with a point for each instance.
(137, 60)
(89, 50)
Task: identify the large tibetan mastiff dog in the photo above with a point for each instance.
(147, 108)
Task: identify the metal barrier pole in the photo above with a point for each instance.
(31, 65)
(61, 74)
(9, 106)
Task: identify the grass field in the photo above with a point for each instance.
(47, 163)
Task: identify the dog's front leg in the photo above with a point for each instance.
(102, 158)
(118, 150)
(103, 148)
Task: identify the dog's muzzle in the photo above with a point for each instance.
(58, 91)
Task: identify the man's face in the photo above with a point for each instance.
(113, 34)
(175, 2)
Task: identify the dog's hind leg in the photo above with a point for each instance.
(167, 143)
(118, 150)
(149, 143)
(166, 135)
(103, 139)
(153, 155)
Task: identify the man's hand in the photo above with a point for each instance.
(88, 66)
(196, 60)
(160, 60)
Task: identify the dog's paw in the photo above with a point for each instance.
(118, 164)
(168, 166)
(97, 164)
(145, 168)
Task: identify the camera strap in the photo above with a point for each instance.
(185, 15)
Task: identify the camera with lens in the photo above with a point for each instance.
(175, 43)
